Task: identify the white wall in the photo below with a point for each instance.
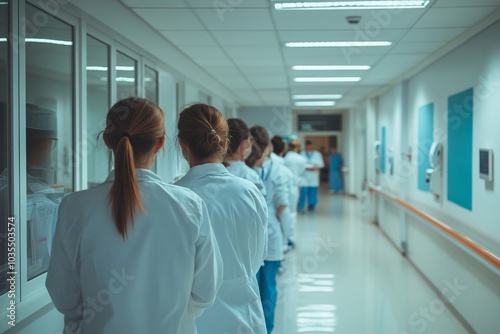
(277, 120)
(476, 64)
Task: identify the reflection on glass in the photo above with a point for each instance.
(126, 76)
(97, 108)
(4, 149)
(49, 132)
(151, 84)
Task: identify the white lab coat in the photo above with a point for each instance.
(159, 280)
(239, 168)
(297, 164)
(287, 221)
(238, 213)
(313, 158)
(277, 195)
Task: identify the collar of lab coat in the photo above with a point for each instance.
(141, 173)
(199, 171)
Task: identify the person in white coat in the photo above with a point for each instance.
(279, 149)
(238, 213)
(297, 164)
(277, 199)
(134, 254)
(309, 188)
(239, 148)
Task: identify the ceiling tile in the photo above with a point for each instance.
(170, 19)
(234, 82)
(197, 52)
(465, 3)
(417, 47)
(246, 38)
(432, 34)
(253, 51)
(155, 3)
(258, 61)
(263, 82)
(213, 62)
(189, 38)
(372, 21)
(238, 19)
(339, 35)
(453, 17)
(227, 5)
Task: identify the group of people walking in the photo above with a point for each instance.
(138, 255)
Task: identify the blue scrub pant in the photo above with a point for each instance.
(312, 196)
(266, 277)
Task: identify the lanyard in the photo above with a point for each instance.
(309, 156)
(265, 176)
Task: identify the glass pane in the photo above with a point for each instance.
(126, 75)
(49, 131)
(5, 211)
(151, 84)
(97, 108)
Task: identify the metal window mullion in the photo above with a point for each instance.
(80, 102)
(20, 169)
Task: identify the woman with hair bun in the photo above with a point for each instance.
(240, 148)
(238, 213)
(134, 254)
(277, 199)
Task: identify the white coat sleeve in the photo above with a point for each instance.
(281, 184)
(261, 216)
(318, 160)
(208, 267)
(62, 281)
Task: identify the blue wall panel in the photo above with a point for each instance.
(460, 115)
(425, 139)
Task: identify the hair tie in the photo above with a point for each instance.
(212, 132)
(126, 134)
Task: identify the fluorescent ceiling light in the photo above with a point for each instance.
(335, 44)
(4, 3)
(105, 68)
(317, 96)
(315, 103)
(350, 5)
(125, 68)
(326, 79)
(3, 39)
(330, 67)
(47, 41)
(125, 79)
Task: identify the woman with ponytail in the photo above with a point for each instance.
(134, 254)
(240, 148)
(238, 213)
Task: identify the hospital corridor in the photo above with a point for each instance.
(249, 167)
(344, 277)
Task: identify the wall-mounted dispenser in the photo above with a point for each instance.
(377, 147)
(434, 174)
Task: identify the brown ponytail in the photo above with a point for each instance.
(133, 127)
(204, 130)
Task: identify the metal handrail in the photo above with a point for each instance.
(471, 245)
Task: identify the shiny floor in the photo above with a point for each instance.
(345, 277)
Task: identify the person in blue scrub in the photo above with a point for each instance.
(277, 198)
(335, 176)
(238, 213)
(310, 184)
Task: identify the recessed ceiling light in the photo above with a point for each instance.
(350, 5)
(336, 44)
(326, 79)
(125, 79)
(316, 96)
(105, 68)
(330, 67)
(315, 103)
